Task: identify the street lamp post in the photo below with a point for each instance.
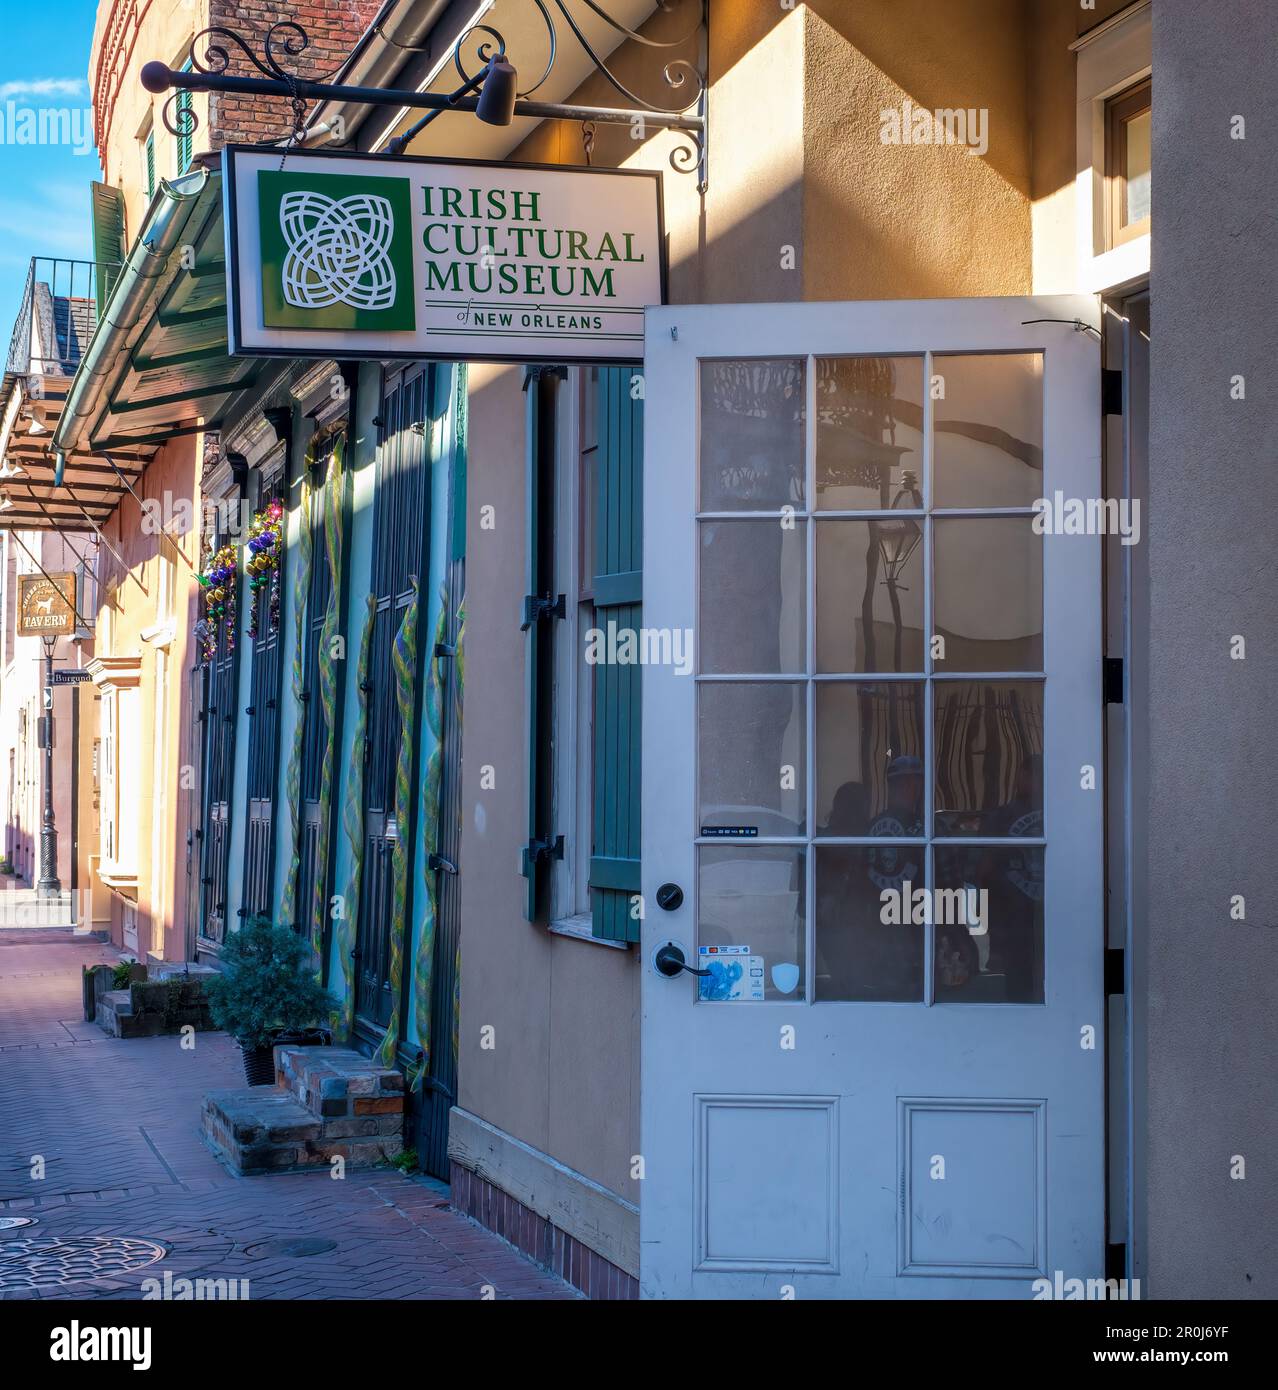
(47, 886)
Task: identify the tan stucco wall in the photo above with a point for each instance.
(171, 480)
(562, 1071)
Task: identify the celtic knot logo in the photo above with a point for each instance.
(338, 251)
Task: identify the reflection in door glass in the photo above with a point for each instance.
(752, 421)
(752, 598)
(988, 594)
(869, 595)
(869, 437)
(987, 445)
(859, 955)
(869, 758)
(752, 896)
(996, 956)
(752, 756)
(989, 758)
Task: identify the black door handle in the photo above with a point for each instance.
(669, 962)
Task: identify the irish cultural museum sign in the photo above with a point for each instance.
(354, 256)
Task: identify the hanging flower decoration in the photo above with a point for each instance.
(217, 580)
(265, 547)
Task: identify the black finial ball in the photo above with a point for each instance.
(155, 77)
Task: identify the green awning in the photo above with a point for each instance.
(158, 365)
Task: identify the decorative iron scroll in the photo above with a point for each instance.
(283, 44)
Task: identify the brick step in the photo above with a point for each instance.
(330, 1102)
(337, 1082)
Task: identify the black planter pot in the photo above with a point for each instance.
(259, 1065)
(259, 1062)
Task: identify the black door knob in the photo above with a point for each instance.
(669, 962)
(669, 897)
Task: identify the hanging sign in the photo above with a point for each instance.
(46, 607)
(365, 256)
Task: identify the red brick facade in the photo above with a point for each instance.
(333, 26)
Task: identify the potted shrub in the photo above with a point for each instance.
(266, 993)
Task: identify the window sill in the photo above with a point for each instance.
(581, 928)
(121, 879)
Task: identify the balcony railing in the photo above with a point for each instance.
(58, 314)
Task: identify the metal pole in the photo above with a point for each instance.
(48, 886)
(157, 77)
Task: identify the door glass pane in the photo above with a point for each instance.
(751, 895)
(988, 594)
(869, 595)
(752, 598)
(989, 758)
(869, 437)
(752, 434)
(752, 753)
(858, 954)
(869, 758)
(991, 950)
(987, 445)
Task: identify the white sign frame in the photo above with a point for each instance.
(613, 201)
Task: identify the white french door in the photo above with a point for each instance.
(896, 702)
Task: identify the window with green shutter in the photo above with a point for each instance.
(107, 209)
(585, 545)
(148, 157)
(185, 123)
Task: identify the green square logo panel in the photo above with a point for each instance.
(336, 251)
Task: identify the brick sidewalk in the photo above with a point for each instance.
(117, 1124)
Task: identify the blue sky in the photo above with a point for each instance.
(44, 189)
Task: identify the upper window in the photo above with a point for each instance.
(185, 123)
(149, 161)
(1128, 127)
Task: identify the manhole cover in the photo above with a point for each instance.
(10, 1223)
(34, 1263)
(291, 1247)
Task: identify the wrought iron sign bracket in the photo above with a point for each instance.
(491, 92)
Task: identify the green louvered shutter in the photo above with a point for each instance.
(618, 591)
(107, 205)
(150, 164)
(542, 608)
(185, 125)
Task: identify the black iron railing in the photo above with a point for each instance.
(58, 314)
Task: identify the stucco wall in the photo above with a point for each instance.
(562, 1073)
(1213, 770)
(170, 481)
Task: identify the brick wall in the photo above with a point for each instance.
(333, 26)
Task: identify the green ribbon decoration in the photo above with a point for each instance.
(334, 507)
(293, 774)
(424, 966)
(404, 660)
(342, 1020)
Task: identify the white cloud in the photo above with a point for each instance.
(43, 87)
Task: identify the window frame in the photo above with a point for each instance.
(573, 746)
(1119, 112)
